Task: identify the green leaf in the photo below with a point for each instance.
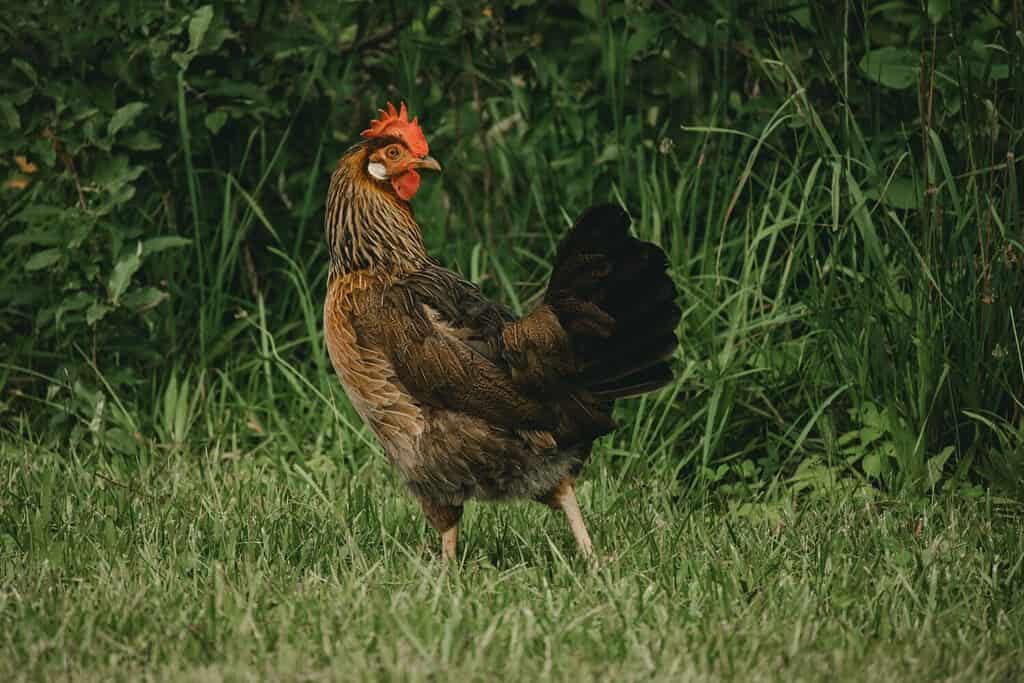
(125, 116)
(872, 464)
(141, 141)
(75, 302)
(84, 113)
(119, 194)
(589, 9)
(42, 259)
(143, 299)
(43, 150)
(156, 244)
(198, 25)
(243, 91)
(900, 194)
(999, 72)
(937, 10)
(215, 120)
(121, 440)
(936, 465)
(43, 235)
(10, 114)
(25, 68)
(891, 67)
(115, 172)
(182, 59)
(610, 153)
(96, 312)
(122, 274)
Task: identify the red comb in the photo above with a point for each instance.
(397, 123)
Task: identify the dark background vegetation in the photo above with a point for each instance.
(837, 184)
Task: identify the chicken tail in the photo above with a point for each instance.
(613, 296)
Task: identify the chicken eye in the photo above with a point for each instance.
(392, 153)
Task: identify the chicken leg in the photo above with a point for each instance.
(564, 498)
(450, 544)
(444, 518)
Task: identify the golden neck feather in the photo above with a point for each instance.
(366, 225)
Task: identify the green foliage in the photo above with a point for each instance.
(837, 186)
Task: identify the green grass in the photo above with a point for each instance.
(825, 491)
(211, 565)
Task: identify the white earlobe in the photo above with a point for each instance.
(377, 170)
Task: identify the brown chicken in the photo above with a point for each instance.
(467, 400)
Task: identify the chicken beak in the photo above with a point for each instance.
(429, 163)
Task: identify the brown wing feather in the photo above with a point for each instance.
(431, 358)
(515, 373)
(366, 373)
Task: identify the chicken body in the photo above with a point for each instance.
(432, 389)
(467, 400)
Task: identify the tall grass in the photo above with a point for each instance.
(849, 262)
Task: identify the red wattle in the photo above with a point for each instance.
(406, 184)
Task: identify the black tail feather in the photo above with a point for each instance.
(651, 379)
(612, 293)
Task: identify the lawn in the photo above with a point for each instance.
(214, 566)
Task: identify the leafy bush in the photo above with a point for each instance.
(837, 190)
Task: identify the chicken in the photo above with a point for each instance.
(467, 400)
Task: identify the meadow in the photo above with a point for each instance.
(202, 567)
(831, 488)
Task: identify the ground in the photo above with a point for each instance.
(196, 566)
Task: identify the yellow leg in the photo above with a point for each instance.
(444, 518)
(571, 508)
(449, 544)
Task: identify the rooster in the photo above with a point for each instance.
(467, 399)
